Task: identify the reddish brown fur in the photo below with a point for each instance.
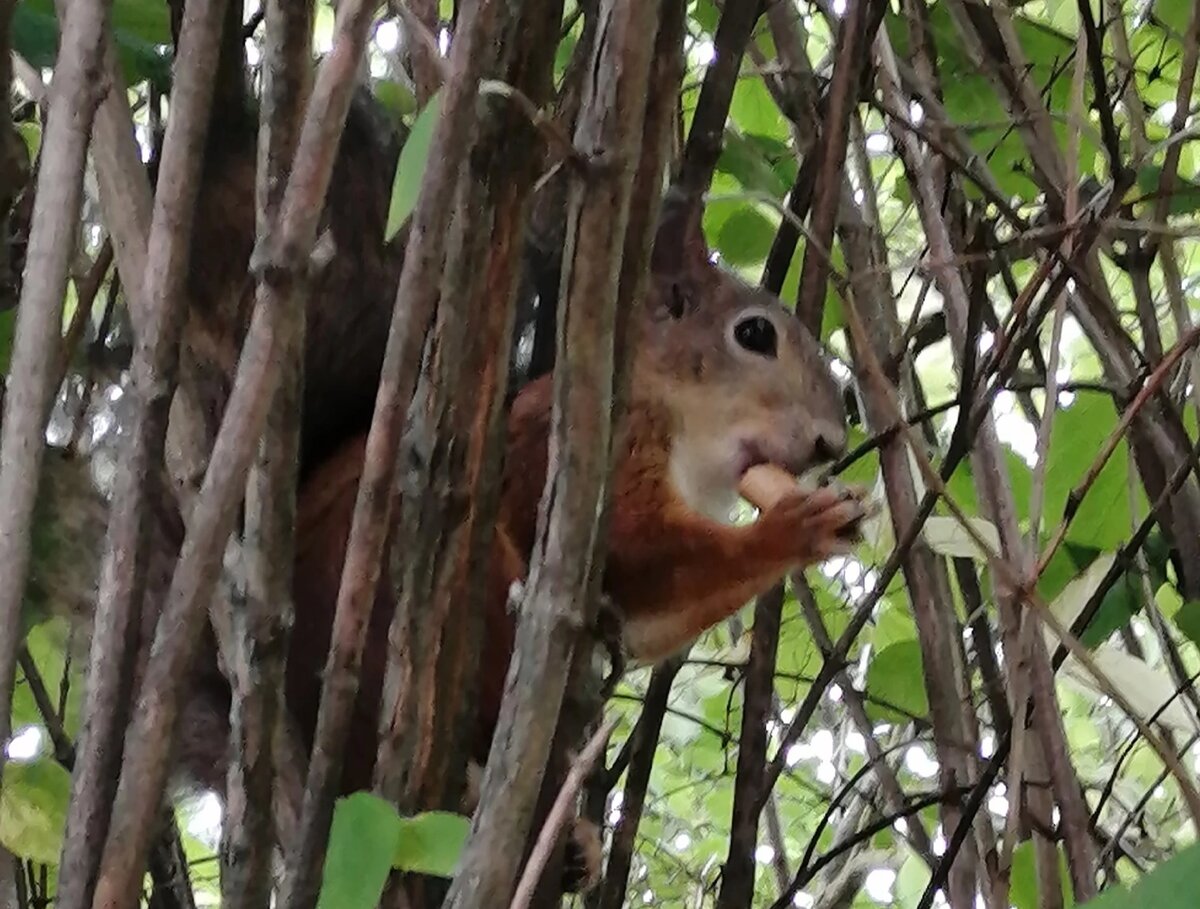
(672, 571)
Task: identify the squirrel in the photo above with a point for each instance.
(724, 378)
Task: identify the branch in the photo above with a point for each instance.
(152, 730)
(126, 200)
(642, 745)
(560, 814)
(807, 873)
(450, 502)
(111, 667)
(1184, 105)
(559, 593)
(749, 793)
(861, 19)
(258, 715)
(703, 147)
(414, 308)
(48, 257)
(1101, 102)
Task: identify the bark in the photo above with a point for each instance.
(123, 572)
(1158, 441)
(14, 167)
(258, 719)
(153, 728)
(923, 574)
(420, 48)
(643, 742)
(856, 31)
(73, 99)
(704, 142)
(416, 298)
(454, 441)
(583, 695)
(124, 187)
(737, 880)
(996, 498)
(557, 602)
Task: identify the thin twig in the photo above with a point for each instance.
(560, 813)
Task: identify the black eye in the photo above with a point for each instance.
(757, 335)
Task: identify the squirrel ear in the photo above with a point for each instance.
(679, 245)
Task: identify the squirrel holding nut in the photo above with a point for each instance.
(724, 382)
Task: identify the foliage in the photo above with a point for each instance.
(141, 29)
(368, 839)
(1144, 631)
(411, 166)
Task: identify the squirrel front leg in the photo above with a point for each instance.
(675, 573)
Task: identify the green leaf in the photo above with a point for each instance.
(1026, 886)
(745, 236)
(1171, 885)
(47, 643)
(895, 625)
(895, 678)
(33, 809)
(1174, 13)
(865, 470)
(1187, 620)
(1023, 885)
(8, 327)
(1120, 604)
(396, 97)
(431, 843)
(744, 159)
(1076, 439)
(362, 841)
(755, 111)
(1185, 195)
(410, 169)
(141, 28)
(31, 132)
(962, 484)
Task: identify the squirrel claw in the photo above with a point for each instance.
(824, 522)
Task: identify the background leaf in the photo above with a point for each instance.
(431, 843)
(410, 169)
(895, 678)
(33, 809)
(362, 841)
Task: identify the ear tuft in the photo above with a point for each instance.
(679, 245)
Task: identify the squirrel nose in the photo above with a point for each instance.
(829, 446)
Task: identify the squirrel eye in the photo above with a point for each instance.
(757, 335)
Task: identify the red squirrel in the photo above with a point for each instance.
(723, 378)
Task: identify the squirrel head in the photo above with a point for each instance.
(741, 380)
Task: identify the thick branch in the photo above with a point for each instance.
(561, 583)
(258, 717)
(111, 668)
(416, 300)
(152, 731)
(31, 375)
(442, 554)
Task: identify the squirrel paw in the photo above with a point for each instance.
(585, 852)
(812, 526)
